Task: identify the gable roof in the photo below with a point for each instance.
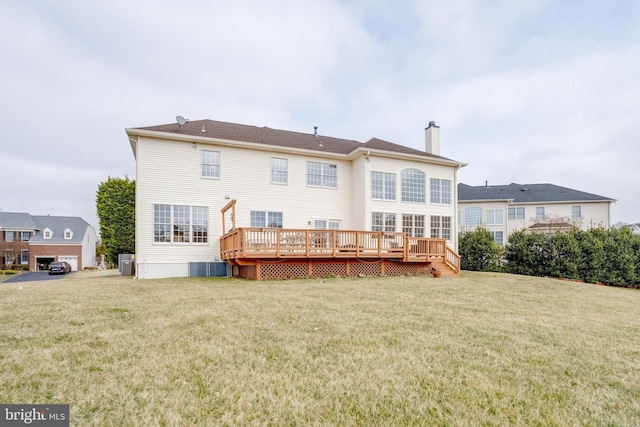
(282, 138)
(526, 193)
(16, 221)
(58, 225)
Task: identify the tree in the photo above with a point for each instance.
(115, 203)
(479, 251)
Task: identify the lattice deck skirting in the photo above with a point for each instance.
(285, 269)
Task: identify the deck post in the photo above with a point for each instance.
(258, 272)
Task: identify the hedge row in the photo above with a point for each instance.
(598, 255)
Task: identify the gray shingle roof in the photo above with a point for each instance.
(282, 138)
(16, 221)
(526, 193)
(58, 224)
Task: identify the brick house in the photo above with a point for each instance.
(34, 241)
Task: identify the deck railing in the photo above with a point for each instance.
(290, 243)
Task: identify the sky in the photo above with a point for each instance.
(535, 91)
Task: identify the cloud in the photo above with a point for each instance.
(521, 91)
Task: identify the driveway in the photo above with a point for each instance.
(33, 277)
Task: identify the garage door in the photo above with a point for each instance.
(72, 260)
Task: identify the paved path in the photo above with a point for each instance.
(34, 277)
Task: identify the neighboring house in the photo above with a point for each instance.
(503, 209)
(635, 228)
(42, 239)
(185, 175)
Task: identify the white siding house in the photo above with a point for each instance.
(185, 175)
(503, 209)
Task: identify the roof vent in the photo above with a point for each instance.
(524, 189)
(315, 131)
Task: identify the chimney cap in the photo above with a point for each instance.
(432, 123)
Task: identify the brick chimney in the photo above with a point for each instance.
(432, 139)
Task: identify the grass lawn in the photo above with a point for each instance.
(482, 349)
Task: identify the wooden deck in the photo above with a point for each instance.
(253, 246)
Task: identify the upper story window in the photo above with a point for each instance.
(516, 213)
(9, 236)
(413, 186)
(68, 234)
(322, 174)
(210, 164)
(495, 217)
(540, 212)
(473, 217)
(576, 212)
(383, 221)
(440, 191)
(180, 224)
(266, 219)
(279, 171)
(383, 186)
(47, 234)
(25, 236)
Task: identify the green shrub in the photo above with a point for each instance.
(10, 272)
(597, 255)
(479, 251)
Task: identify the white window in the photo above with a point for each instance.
(47, 234)
(210, 164)
(473, 217)
(540, 212)
(24, 256)
(279, 171)
(576, 212)
(441, 227)
(199, 224)
(498, 237)
(383, 221)
(264, 219)
(413, 185)
(327, 224)
(25, 236)
(383, 186)
(516, 213)
(322, 175)
(68, 234)
(440, 191)
(9, 236)
(180, 224)
(162, 223)
(413, 225)
(495, 217)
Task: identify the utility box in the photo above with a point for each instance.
(126, 264)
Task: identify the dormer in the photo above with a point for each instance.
(68, 234)
(47, 233)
